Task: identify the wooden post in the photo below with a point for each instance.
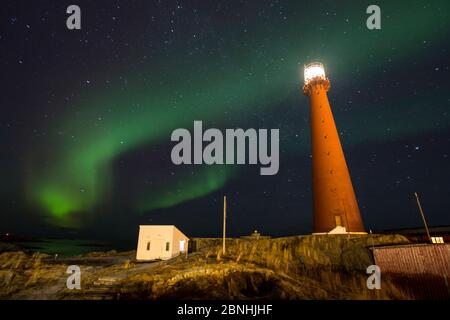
(373, 246)
(224, 222)
(423, 216)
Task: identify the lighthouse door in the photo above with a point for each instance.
(338, 221)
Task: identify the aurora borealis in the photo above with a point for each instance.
(87, 115)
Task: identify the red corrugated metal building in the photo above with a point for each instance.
(423, 269)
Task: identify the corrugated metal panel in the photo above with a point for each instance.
(424, 269)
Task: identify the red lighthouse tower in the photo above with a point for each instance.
(334, 202)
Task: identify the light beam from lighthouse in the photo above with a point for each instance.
(334, 202)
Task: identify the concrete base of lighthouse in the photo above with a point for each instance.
(338, 230)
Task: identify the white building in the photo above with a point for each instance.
(160, 242)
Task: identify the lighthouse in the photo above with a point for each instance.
(334, 202)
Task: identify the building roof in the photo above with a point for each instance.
(161, 226)
(439, 230)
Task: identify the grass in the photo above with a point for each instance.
(304, 267)
(300, 267)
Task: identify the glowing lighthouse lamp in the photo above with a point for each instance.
(334, 202)
(314, 71)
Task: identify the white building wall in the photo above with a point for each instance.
(178, 236)
(154, 240)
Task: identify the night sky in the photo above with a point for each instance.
(86, 115)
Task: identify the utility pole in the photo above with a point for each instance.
(224, 222)
(423, 216)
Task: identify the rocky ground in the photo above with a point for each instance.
(301, 267)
